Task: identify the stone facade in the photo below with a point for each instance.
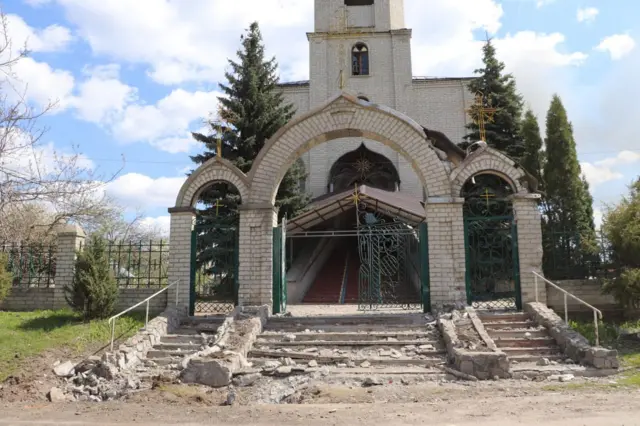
(438, 103)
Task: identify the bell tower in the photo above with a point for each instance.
(374, 15)
(363, 46)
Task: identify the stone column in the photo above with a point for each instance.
(182, 222)
(529, 225)
(446, 251)
(256, 255)
(70, 240)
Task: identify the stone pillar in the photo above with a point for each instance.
(182, 223)
(446, 250)
(256, 255)
(70, 239)
(529, 225)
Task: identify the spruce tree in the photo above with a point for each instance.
(252, 110)
(499, 91)
(533, 157)
(568, 227)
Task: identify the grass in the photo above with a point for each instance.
(24, 335)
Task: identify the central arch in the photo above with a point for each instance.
(346, 116)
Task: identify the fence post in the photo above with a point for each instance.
(70, 240)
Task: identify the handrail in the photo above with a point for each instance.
(113, 319)
(597, 314)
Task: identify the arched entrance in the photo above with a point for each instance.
(363, 167)
(491, 243)
(345, 116)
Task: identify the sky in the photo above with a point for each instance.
(131, 79)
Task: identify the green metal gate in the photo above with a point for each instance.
(214, 269)
(492, 266)
(394, 267)
(279, 268)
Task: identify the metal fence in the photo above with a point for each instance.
(567, 257)
(30, 265)
(139, 264)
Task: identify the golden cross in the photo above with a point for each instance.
(487, 195)
(217, 206)
(356, 199)
(481, 114)
(219, 148)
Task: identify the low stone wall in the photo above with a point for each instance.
(135, 348)
(481, 365)
(572, 343)
(34, 299)
(216, 365)
(587, 290)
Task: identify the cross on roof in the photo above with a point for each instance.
(482, 114)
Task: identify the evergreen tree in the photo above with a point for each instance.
(251, 112)
(533, 157)
(568, 229)
(499, 91)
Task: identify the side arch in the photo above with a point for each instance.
(214, 170)
(346, 116)
(489, 161)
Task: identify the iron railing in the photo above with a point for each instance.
(139, 264)
(597, 314)
(112, 320)
(31, 265)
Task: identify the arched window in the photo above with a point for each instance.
(360, 59)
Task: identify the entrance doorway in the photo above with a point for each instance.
(367, 247)
(491, 244)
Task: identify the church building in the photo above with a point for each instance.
(400, 216)
(365, 46)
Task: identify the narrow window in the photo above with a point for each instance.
(364, 98)
(360, 59)
(358, 2)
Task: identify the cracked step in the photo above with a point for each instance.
(524, 325)
(177, 347)
(354, 336)
(508, 334)
(524, 342)
(352, 343)
(155, 353)
(194, 339)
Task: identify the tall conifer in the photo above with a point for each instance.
(498, 89)
(568, 206)
(533, 157)
(252, 110)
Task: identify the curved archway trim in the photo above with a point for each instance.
(488, 161)
(214, 170)
(345, 116)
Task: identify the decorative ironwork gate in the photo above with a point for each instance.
(491, 246)
(394, 271)
(214, 281)
(279, 268)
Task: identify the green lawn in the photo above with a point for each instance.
(27, 334)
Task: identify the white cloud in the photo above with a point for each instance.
(50, 39)
(598, 215)
(543, 3)
(618, 46)
(604, 170)
(587, 14)
(140, 191)
(41, 84)
(188, 41)
(160, 225)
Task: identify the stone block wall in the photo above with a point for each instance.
(446, 251)
(587, 290)
(36, 299)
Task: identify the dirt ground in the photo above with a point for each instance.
(490, 403)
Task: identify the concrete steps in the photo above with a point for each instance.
(186, 340)
(365, 342)
(520, 338)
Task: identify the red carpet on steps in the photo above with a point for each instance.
(328, 283)
(353, 272)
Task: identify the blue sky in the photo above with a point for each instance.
(132, 78)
